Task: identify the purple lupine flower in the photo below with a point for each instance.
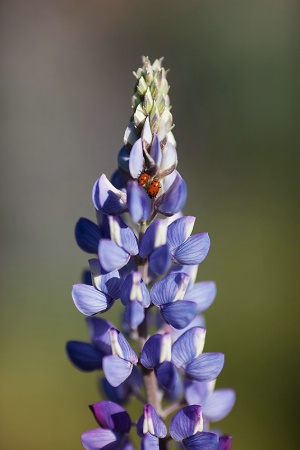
(187, 355)
(186, 249)
(115, 253)
(118, 366)
(187, 427)
(168, 294)
(216, 404)
(156, 354)
(115, 424)
(134, 250)
(135, 297)
(90, 300)
(154, 247)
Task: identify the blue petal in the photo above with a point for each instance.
(174, 199)
(98, 331)
(167, 375)
(185, 421)
(201, 441)
(99, 438)
(129, 240)
(136, 159)
(225, 442)
(134, 314)
(179, 314)
(205, 367)
(88, 300)
(151, 422)
(123, 159)
(111, 256)
(84, 356)
(111, 200)
(203, 294)
(160, 260)
(112, 416)
(156, 232)
(87, 235)
(149, 442)
(109, 283)
(150, 355)
(188, 346)
(138, 202)
(179, 231)
(170, 288)
(218, 404)
(193, 250)
(116, 369)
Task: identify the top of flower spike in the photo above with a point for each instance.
(151, 100)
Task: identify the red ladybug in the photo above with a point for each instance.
(154, 188)
(143, 178)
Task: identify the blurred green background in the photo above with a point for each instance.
(66, 89)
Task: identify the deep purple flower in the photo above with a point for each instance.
(186, 426)
(115, 424)
(225, 442)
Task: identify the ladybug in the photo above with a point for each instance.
(154, 188)
(143, 178)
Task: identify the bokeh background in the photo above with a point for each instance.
(66, 83)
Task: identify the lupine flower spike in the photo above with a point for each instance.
(145, 257)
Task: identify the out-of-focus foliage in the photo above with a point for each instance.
(66, 87)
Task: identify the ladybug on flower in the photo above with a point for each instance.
(153, 187)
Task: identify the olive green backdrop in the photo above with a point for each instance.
(66, 83)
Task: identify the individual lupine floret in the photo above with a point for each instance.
(187, 427)
(88, 356)
(150, 428)
(118, 366)
(184, 248)
(135, 297)
(90, 300)
(187, 355)
(115, 253)
(156, 354)
(216, 404)
(115, 424)
(168, 294)
(107, 198)
(154, 247)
